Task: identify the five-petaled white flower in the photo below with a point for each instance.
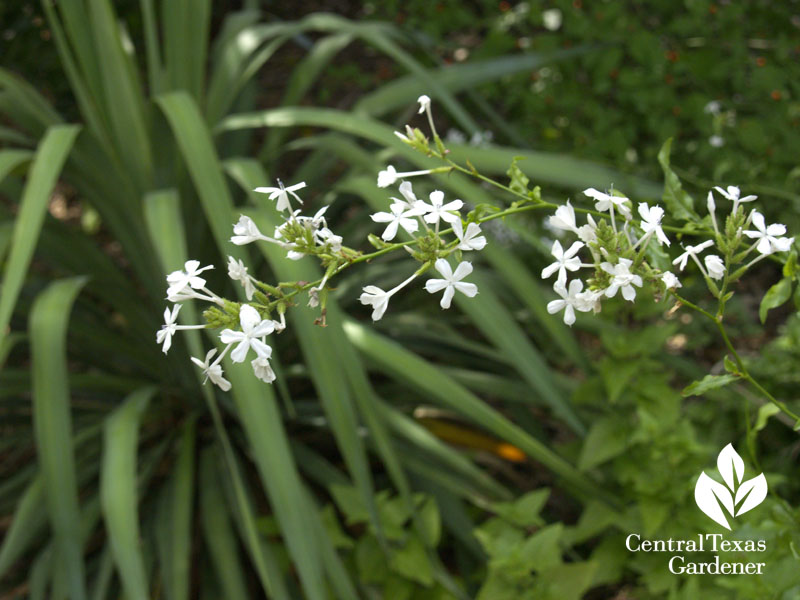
(670, 281)
(588, 300)
(326, 236)
(768, 235)
(437, 210)
(238, 272)
(399, 217)
(623, 279)
(732, 193)
(262, 369)
(424, 104)
(715, 266)
(213, 371)
(246, 232)
(651, 222)
(471, 239)
(451, 282)
(377, 298)
(568, 301)
(253, 328)
(281, 194)
(692, 251)
(168, 329)
(179, 280)
(565, 261)
(564, 218)
(170, 326)
(605, 202)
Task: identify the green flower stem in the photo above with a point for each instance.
(391, 248)
(740, 366)
(544, 204)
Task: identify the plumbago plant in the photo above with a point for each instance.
(622, 249)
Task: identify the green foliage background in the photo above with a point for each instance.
(131, 136)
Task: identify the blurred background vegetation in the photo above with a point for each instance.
(489, 452)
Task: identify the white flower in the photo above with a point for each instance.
(387, 177)
(168, 329)
(588, 300)
(238, 272)
(605, 202)
(551, 19)
(471, 240)
(767, 235)
(588, 233)
(564, 218)
(409, 199)
(716, 141)
(253, 328)
(732, 194)
(569, 300)
(623, 279)
(424, 104)
(715, 266)
(213, 371)
(246, 232)
(399, 217)
(712, 107)
(692, 251)
(282, 194)
(377, 298)
(326, 236)
(651, 222)
(262, 369)
(451, 282)
(437, 210)
(670, 281)
(179, 280)
(565, 261)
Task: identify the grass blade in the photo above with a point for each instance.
(53, 424)
(50, 156)
(118, 494)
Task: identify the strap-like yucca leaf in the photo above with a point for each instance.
(176, 510)
(419, 374)
(53, 425)
(218, 530)
(28, 522)
(50, 156)
(543, 167)
(162, 210)
(255, 402)
(118, 494)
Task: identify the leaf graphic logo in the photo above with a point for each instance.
(711, 496)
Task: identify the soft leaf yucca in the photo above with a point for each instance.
(132, 452)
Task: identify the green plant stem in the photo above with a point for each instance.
(392, 247)
(740, 366)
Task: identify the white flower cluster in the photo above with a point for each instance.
(625, 274)
(186, 285)
(423, 220)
